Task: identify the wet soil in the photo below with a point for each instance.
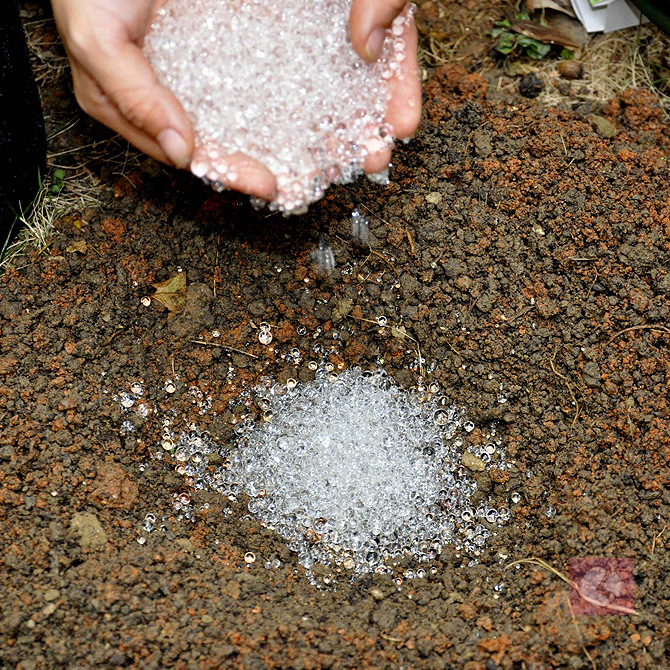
(526, 254)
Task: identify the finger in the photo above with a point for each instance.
(148, 109)
(368, 22)
(244, 173)
(403, 111)
(377, 161)
(92, 99)
(238, 172)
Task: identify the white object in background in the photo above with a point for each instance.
(614, 15)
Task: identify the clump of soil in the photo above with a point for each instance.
(521, 259)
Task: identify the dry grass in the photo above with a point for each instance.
(75, 193)
(77, 190)
(47, 54)
(633, 58)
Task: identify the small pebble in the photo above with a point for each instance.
(531, 85)
(472, 462)
(571, 69)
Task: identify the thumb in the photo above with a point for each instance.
(369, 20)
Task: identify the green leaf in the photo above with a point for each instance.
(506, 44)
(538, 50)
(59, 174)
(566, 54)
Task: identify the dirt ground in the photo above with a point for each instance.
(526, 250)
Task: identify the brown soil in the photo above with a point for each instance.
(518, 246)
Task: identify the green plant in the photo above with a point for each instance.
(510, 42)
(57, 181)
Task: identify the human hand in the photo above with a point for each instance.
(369, 21)
(114, 83)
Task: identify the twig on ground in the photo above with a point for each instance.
(543, 564)
(410, 239)
(582, 640)
(404, 334)
(593, 283)
(223, 346)
(113, 336)
(646, 326)
(655, 540)
(567, 383)
(592, 601)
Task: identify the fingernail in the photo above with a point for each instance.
(174, 145)
(373, 47)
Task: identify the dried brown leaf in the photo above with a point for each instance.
(564, 6)
(171, 293)
(78, 246)
(558, 29)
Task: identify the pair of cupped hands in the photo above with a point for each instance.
(114, 83)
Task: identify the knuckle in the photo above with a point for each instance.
(88, 98)
(139, 108)
(80, 43)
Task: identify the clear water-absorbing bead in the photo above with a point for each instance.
(360, 227)
(354, 472)
(324, 258)
(126, 400)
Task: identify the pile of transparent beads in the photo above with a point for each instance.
(350, 469)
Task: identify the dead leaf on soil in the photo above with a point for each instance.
(171, 293)
(561, 32)
(559, 5)
(78, 246)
